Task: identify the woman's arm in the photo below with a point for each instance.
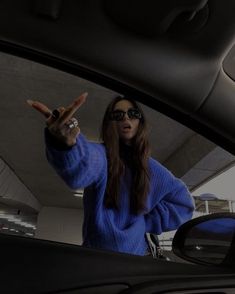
(170, 201)
(80, 165)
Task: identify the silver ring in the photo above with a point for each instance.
(73, 123)
(55, 113)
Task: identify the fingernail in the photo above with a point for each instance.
(30, 102)
(77, 100)
(85, 94)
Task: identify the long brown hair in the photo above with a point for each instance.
(116, 166)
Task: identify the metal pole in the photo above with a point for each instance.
(207, 207)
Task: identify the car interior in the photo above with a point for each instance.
(177, 59)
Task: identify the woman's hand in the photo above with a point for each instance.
(60, 122)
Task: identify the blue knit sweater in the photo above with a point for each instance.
(169, 203)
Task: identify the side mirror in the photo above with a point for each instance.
(208, 240)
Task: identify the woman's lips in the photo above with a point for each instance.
(126, 129)
(126, 125)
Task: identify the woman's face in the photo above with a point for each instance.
(128, 127)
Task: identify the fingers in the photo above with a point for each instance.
(72, 108)
(67, 113)
(42, 108)
(60, 119)
(55, 114)
(72, 135)
(66, 133)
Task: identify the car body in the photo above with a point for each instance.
(169, 55)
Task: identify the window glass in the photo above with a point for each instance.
(35, 202)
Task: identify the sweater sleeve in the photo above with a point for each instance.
(170, 201)
(79, 166)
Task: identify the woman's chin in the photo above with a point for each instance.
(127, 141)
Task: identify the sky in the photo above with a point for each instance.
(223, 186)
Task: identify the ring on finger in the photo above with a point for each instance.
(73, 123)
(55, 113)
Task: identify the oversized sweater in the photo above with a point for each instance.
(169, 203)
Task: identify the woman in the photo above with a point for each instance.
(127, 193)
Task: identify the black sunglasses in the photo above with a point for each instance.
(118, 115)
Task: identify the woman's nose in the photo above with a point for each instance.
(126, 116)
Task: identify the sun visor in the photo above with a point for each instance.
(154, 18)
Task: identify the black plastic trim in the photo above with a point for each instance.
(47, 8)
(30, 265)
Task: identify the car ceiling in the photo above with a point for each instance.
(169, 49)
(167, 54)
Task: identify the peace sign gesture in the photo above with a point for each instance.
(60, 122)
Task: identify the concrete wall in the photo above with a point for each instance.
(60, 224)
